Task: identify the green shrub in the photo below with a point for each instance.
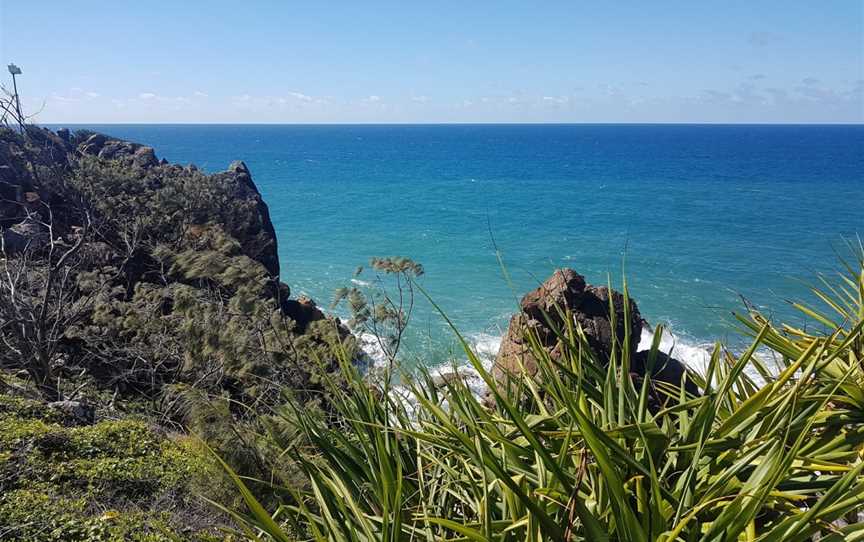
(114, 480)
(769, 453)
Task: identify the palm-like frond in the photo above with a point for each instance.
(582, 456)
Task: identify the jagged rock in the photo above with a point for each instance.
(93, 144)
(593, 315)
(665, 369)
(75, 412)
(259, 239)
(303, 311)
(110, 150)
(238, 166)
(543, 311)
(145, 157)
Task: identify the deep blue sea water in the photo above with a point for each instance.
(698, 216)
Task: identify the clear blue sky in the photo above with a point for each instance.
(257, 61)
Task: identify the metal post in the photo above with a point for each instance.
(15, 70)
(17, 99)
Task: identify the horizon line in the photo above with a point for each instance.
(660, 123)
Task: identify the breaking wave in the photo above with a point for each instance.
(695, 355)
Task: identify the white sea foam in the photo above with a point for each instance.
(373, 348)
(485, 345)
(695, 354)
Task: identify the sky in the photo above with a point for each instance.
(790, 61)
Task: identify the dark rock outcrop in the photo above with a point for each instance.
(20, 190)
(303, 311)
(114, 149)
(259, 238)
(663, 369)
(543, 312)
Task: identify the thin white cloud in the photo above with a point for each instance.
(302, 97)
(74, 94)
(559, 100)
(200, 94)
(147, 95)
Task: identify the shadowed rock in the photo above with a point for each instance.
(664, 370)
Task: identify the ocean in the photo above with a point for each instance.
(698, 217)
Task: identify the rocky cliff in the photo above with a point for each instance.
(138, 300)
(25, 190)
(154, 273)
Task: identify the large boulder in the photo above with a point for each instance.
(543, 311)
(565, 293)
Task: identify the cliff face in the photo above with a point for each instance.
(22, 191)
(154, 274)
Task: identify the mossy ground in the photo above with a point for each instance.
(113, 480)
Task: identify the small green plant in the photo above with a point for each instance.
(383, 310)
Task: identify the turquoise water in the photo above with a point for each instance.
(703, 215)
